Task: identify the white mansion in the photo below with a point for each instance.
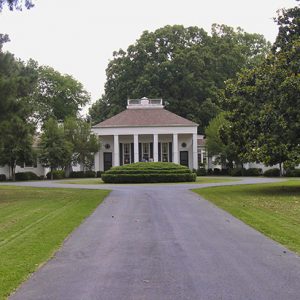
(145, 131)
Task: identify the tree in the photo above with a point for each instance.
(264, 102)
(85, 143)
(54, 150)
(16, 4)
(16, 144)
(217, 145)
(184, 66)
(17, 83)
(58, 96)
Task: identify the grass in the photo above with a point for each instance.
(200, 179)
(34, 223)
(273, 209)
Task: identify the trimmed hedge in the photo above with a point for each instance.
(201, 172)
(2, 177)
(22, 176)
(253, 172)
(293, 173)
(57, 174)
(148, 172)
(272, 172)
(82, 174)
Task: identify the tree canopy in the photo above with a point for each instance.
(58, 96)
(184, 66)
(264, 103)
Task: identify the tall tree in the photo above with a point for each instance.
(17, 83)
(264, 102)
(54, 150)
(58, 96)
(16, 144)
(85, 143)
(224, 149)
(184, 66)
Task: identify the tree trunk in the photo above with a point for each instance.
(13, 171)
(280, 169)
(51, 170)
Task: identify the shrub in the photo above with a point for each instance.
(224, 172)
(76, 174)
(90, 174)
(293, 173)
(201, 172)
(2, 177)
(57, 174)
(275, 172)
(148, 172)
(82, 174)
(236, 172)
(216, 171)
(253, 172)
(22, 176)
(98, 174)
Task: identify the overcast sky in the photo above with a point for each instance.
(79, 37)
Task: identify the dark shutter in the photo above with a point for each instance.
(159, 151)
(132, 153)
(121, 154)
(140, 151)
(151, 150)
(170, 152)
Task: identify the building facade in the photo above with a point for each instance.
(145, 131)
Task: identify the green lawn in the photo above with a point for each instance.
(273, 209)
(34, 223)
(200, 180)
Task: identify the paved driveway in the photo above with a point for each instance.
(165, 242)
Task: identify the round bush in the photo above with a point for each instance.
(57, 174)
(149, 172)
(272, 172)
(21, 176)
(2, 177)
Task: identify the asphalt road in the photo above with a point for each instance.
(164, 242)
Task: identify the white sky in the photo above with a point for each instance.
(79, 37)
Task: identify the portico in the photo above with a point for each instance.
(145, 131)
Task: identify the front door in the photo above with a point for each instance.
(184, 158)
(107, 160)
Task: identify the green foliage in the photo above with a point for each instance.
(274, 172)
(292, 173)
(224, 149)
(58, 96)
(22, 176)
(201, 172)
(82, 174)
(85, 143)
(184, 66)
(55, 152)
(264, 103)
(2, 177)
(56, 174)
(148, 172)
(253, 172)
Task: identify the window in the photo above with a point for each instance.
(165, 152)
(145, 151)
(126, 154)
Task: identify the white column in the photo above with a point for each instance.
(116, 151)
(195, 151)
(97, 161)
(155, 147)
(136, 147)
(175, 148)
